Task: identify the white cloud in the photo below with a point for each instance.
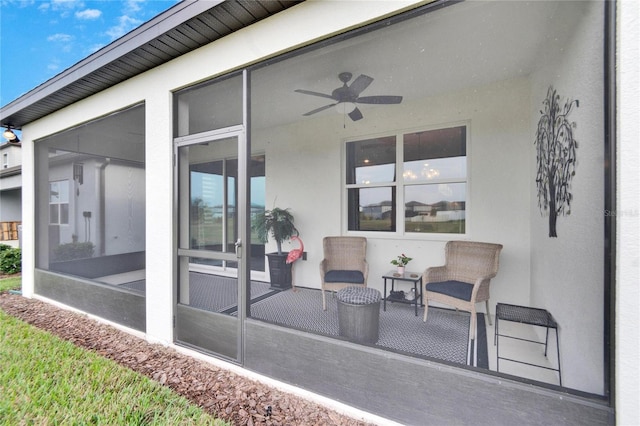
(53, 66)
(94, 48)
(128, 21)
(60, 38)
(66, 4)
(17, 3)
(88, 14)
(63, 7)
(133, 6)
(125, 24)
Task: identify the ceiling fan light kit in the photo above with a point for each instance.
(345, 107)
(346, 97)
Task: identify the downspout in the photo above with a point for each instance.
(100, 190)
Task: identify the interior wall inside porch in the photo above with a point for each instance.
(567, 271)
(304, 173)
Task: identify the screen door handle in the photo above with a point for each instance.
(238, 244)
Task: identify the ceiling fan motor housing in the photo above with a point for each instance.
(351, 95)
(344, 94)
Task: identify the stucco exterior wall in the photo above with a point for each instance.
(627, 384)
(286, 30)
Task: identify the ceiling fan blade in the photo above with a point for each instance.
(320, 109)
(309, 92)
(355, 115)
(379, 100)
(360, 83)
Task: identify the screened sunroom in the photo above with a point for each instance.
(408, 128)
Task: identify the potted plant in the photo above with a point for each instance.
(401, 261)
(278, 223)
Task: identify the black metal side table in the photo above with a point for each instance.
(412, 277)
(531, 316)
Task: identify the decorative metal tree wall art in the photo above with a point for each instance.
(556, 158)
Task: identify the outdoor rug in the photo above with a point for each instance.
(213, 292)
(445, 335)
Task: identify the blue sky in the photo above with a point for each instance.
(41, 38)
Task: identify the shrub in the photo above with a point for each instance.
(10, 260)
(71, 251)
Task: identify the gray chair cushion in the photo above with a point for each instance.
(355, 277)
(358, 295)
(456, 289)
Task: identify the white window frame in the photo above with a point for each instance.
(399, 185)
(58, 204)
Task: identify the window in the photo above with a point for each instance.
(59, 202)
(424, 171)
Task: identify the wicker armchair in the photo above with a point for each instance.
(464, 279)
(344, 264)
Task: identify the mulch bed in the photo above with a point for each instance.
(229, 396)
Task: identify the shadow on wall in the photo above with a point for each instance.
(93, 267)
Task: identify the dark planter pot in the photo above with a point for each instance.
(280, 271)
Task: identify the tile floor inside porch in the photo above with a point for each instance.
(509, 348)
(531, 353)
(528, 352)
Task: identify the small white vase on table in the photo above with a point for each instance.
(401, 262)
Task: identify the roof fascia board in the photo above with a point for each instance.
(148, 31)
(11, 171)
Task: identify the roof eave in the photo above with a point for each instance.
(67, 87)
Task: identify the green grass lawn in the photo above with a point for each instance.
(46, 380)
(13, 283)
(450, 227)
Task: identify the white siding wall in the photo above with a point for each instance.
(14, 155)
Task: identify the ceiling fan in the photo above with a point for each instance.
(348, 96)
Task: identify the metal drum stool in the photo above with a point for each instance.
(359, 314)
